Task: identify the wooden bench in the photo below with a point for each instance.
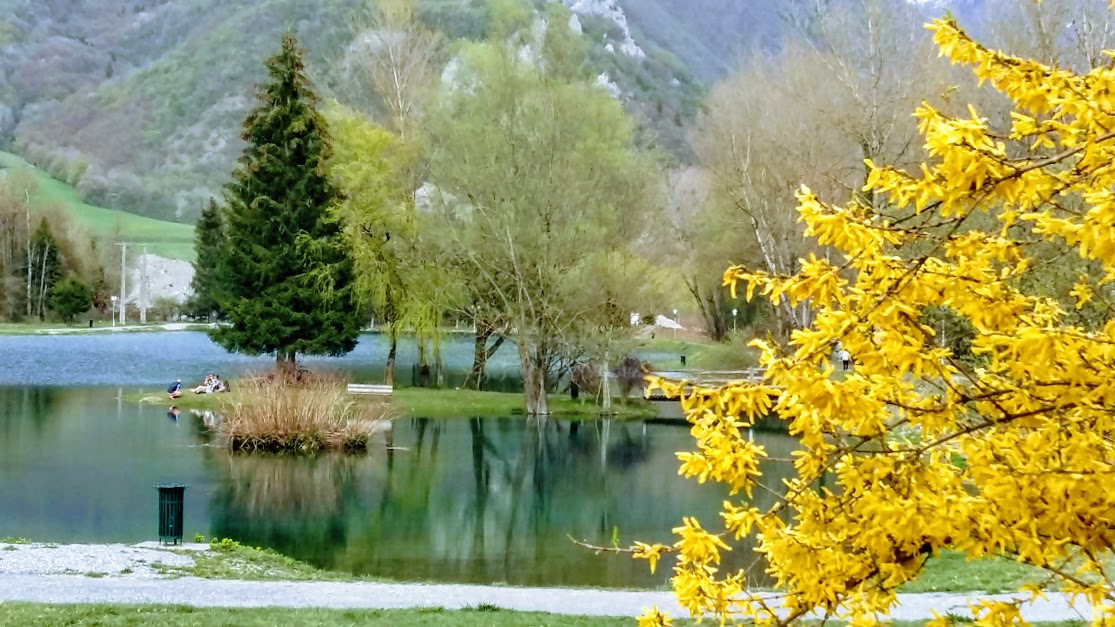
(369, 388)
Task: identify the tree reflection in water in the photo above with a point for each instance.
(477, 500)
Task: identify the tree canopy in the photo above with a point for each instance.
(70, 297)
(1011, 453)
(286, 281)
(209, 237)
(539, 187)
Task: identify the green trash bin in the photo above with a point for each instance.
(171, 498)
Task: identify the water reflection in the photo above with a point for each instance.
(470, 500)
(20, 406)
(479, 500)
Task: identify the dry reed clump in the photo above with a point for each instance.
(303, 414)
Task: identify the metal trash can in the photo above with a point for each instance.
(171, 497)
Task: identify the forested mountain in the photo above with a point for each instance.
(138, 102)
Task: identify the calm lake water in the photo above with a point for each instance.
(484, 500)
(146, 359)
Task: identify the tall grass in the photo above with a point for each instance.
(312, 413)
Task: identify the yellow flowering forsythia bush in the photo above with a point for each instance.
(1011, 453)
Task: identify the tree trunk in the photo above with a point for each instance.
(711, 305)
(30, 258)
(42, 285)
(423, 366)
(475, 379)
(286, 365)
(534, 381)
(481, 353)
(389, 370)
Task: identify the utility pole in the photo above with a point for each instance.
(123, 279)
(143, 287)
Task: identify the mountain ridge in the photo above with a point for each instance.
(137, 103)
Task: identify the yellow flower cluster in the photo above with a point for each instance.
(1011, 453)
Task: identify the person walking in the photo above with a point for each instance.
(845, 359)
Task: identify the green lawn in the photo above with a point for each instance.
(167, 239)
(113, 615)
(430, 403)
(951, 572)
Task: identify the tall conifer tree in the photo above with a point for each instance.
(285, 277)
(209, 236)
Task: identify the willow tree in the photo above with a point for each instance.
(392, 70)
(1011, 455)
(537, 175)
(285, 278)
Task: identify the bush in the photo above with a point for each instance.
(733, 354)
(303, 414)
(70, 297)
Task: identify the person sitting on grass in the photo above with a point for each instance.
(216, 385)
(175, 389)
(206, 385)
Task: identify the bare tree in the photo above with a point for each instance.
(839, 93)
(1067, 33)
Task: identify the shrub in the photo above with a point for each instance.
(304, 414)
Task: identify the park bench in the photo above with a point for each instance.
(369, 388)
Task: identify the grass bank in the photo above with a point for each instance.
(430, 403)
(99, 326)
(166, 239)
(118, 615)
(948, 572)
(665, 354)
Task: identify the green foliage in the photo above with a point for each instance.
(952, 330)
(209, 237)
(564, 53)
(44, 268)
(549, 207)
(458, 19)
(71, 297)
(108, 615)
(286, 281)
(166, 239)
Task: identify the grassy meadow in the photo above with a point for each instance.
(166, 239)
(108, 615)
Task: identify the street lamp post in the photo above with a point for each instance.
(734, 312)
(114, 299)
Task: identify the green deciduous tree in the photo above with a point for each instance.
(45, 267)
(537, 179)
(286, 281)
(392, 69)
(70, 297)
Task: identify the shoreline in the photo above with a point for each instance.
(437, 403)
(75, 574)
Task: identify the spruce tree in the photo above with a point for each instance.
(285, 279)
(209, 236)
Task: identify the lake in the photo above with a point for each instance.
(155, 359)
(484, 500)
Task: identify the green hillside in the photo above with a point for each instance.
(167, 239)
(141, 107)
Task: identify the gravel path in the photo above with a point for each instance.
(107, 559)
(30, 573)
